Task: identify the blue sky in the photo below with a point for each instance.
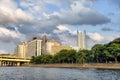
(20, 20)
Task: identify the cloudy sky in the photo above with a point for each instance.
(20, 20)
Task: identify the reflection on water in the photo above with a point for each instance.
(36, 73)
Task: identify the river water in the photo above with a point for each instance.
(36, 73)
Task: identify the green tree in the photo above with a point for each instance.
(32, 59)
(97, 50)
(105, 54)
(60, 57)
(89, 56)
(81, 56)
(42, 59)
(114, 51)
(65, 56)
(46, 58)
(71, 56)
(37, 60)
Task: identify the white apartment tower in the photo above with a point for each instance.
(33, 48)
(81, 40)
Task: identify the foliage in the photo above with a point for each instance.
(114, 51)
(83, 56)
(65, 56)
(42, 59)
(98, 52)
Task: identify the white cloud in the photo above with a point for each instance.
(65, 35)
(3, 52)
(96, 37)
(24, 4)
(9, 12)
(67, 38)
(80, 14)
(77, 13)
(21, 15)
(48, 16)
(108, 38)
(7, 35)
(62, 28)
(5, 32)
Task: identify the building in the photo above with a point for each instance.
(52, 47)
(37, 47)
(44, 41)
(20, 50)
(81, 40)
(33, 48)
(28, 49)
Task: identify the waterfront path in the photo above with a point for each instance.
(94, 65)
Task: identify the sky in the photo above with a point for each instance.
(21, 20)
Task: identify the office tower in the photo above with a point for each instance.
(81, 40)
(34, 48)
(78, 39)
(44, 41)
(20, 50)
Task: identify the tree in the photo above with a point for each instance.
(97, 50)
(65, 56)
(114, 51)
(71, 56)
(105, 54)
(42, 59)
(46, 58)
(60, 57)
(89, 56)
(37, 60)
(32, 59)
(81, 56)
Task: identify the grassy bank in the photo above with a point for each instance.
(95, 65)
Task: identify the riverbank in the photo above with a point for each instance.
(95, 66)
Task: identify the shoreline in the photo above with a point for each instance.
(84, 66)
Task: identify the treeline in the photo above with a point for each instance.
(98, 54)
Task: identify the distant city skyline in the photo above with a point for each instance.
(37, 47)
(21, 20)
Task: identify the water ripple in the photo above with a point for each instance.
(36, 73)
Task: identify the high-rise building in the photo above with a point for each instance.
(81, 40)
(51, 46)
(78, 39)
(20, 50)
(33, 48)
(44, 41)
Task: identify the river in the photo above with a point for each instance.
(36, 73)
